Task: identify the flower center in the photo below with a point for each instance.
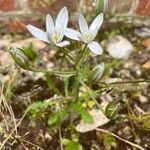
(87, 37)
(57, 37)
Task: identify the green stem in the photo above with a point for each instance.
(91, 94)
(76, 88)
(126, 82)
(66, 52)
(60, 73)
(79, 62)
(81, 57)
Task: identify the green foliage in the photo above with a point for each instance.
(111, 110)
(72, 144)
(145, 121)
(29, 52)
(51, 81)
(76, 76)
(77, 107)
(142, 122)
(56, 118)
(110, 142)
(37, 108)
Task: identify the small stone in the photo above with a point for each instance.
(142, 32)
(119, 47)
(143, 99)
(34, 41)
(48, 136)
(5, 59)
(4, 43)
(146, 43)
(146, 65)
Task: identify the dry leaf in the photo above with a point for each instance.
(99, 120)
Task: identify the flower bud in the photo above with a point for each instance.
(101, 5)
(96, 73)
(20, 58)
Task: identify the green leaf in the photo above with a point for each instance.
(51, 83)
(111, 110)
(65, 141)
(37, 108)
(29, 52)
(71, 145)
(65, 74)
(86, 117)
(54, 119)
(77, 107)
(74, 146)
(91, 93)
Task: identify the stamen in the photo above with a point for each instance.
(57, 37)
(87, 37)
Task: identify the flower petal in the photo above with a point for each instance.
(72, 34)
(83, 24)
(63, 44)
(96, 24)
(38, 33)
(50, 38)
(49, 23)
(62, 19)
(95, 48)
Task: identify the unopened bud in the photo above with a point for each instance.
(101, 5)
(97, 73)
(20, 58)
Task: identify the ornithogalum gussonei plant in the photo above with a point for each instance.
(81, 75)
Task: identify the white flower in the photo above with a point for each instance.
(87, 34)
(54, 32)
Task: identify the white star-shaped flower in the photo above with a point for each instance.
(87, 34)
(54, 32)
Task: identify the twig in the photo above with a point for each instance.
(121, 139)
(32, 144)
(60, 137)
(12, 132)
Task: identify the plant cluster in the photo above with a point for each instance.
(78, 80)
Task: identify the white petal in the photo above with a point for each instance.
(49, 23)
(83, 24)
(95, 48)
(72, 34)
(38, 33)
(96, 24)
(62, 19)
(50, 38)
(63, 44)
